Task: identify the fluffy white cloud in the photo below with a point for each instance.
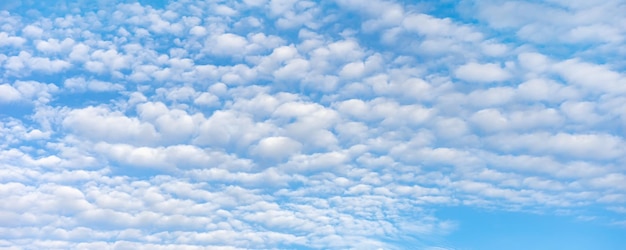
(9, 93)
(593, 77)
(27, 91)
(25, 60)
(227, 44)
(7, 40)
(171, 157)
(276, 147)
(101, 124)
(32, 31)
(52, 46)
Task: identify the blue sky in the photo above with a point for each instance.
(289, 124)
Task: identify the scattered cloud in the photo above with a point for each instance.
(303, 124)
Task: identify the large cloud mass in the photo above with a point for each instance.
(304, 124)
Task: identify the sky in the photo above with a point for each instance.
(294, 124)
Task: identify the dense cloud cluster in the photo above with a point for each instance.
(293, 123)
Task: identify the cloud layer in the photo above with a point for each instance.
(297, 124)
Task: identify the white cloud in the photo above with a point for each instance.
(602, 33)
(80, 52)
(8, 93)
(80, 84)
(276, 147)
(102, 60)
(170, 157)
(494, 120)
(228, 128)
(547, 90)
(352, 70)
(173, 125)
(429, 25)
(482, 73)
(569, 23)
(290, 124)
(25, 60)
(591, 76)
(583, 112)
(206, 99)
(32, 31)
(534, 62)
(101, 124)
(47, 65)
(52, 45)
(293, 13)
(7, 40)
(583, 146)
(490, 119)
(27, 90)
(491, 97)
(227, 44)
(494, 49)
(293, 70)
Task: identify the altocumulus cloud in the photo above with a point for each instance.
(302, 124)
